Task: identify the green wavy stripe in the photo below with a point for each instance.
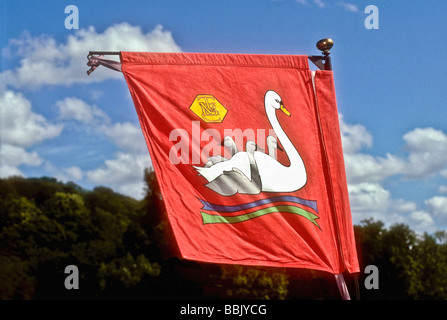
(213, 218)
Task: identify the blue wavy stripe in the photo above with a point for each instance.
(216, 207)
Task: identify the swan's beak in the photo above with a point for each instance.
(283, 109)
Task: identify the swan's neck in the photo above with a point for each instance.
(289, 148)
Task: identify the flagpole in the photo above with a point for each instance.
(325, 45)
(323, 62)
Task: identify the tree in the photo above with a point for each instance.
(125, 248)
(410, 266)
(46, 225)
(245, 282)
(15, 280)
(429, 279)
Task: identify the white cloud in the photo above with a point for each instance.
(76, 109)
(366, 168)
(426, 148)
(428, 152)
(11, 157)
(400, 205)
(372, 200)
(424, 139)
(319, 3)
(126, 136)
(368, 197)
(348, 6)
(303, 2)
(361, 167)
(73, 173)
(20, 126)
(426, 157)
(46, 62)
(124, 173)
(438, 206)
(422, 221)
(354, 137)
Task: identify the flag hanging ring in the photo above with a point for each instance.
(96, 58)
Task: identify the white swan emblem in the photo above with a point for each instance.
(252, 172)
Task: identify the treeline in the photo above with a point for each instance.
(125, 249)
(411, 266)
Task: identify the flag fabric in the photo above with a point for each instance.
(247, 152)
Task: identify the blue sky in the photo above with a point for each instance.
(391, 93)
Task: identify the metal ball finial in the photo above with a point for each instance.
(325, 45)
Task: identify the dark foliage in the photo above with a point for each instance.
(125, 249)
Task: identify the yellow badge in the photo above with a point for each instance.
(208, 108)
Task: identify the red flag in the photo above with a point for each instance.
(248, 155)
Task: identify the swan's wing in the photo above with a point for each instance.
(227, 184)
(231, 182)
(236, 171)
(239, 160)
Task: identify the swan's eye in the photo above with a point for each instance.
(277, 101)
